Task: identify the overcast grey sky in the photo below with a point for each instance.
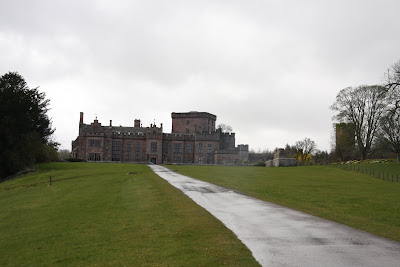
(269, 69)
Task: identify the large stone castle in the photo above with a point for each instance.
(194, 140)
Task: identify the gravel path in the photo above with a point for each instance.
(279, 236)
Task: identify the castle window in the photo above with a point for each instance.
(189, 148)
(177, 159)
(209, 148)
(200, 148)
(187, 122)
(200, 160)
(137, 151)
(187, 130)
(177, 148)
(94, 157)
(94, 142)
(128, 151)
(116, 151)
(153, 147)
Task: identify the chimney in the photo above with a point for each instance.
(137, 123)
(81, 118)
(110, 122)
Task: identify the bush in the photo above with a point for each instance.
(75, 160)
(47, 154)
(260, 164)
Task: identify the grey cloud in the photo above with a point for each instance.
(273, 66)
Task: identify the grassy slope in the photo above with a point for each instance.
(387, 171)
(105, 216)
(354, 199)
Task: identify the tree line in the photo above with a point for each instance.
(305, 151)
(25, 132)
(373, 113)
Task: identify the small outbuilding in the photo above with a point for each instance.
(280, 160)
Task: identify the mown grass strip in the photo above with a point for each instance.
(109, 214)
(351, 198)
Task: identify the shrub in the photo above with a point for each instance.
(259, 164)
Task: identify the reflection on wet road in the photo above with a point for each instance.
(279, 236)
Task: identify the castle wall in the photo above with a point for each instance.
(142, 144)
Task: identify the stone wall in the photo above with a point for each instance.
(284, 162)
(257, 157)
(280, 161)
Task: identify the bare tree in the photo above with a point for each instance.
(390, 122)
(390, 131)
(363, 106)
(225, 128)
(304, 149)
(64, 154)
(392, 77)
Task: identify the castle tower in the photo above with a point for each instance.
(193, 122)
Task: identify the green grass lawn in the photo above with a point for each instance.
(351, 198)
(108, 214)
(385, 171)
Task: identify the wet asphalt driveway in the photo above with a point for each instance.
(279, 236)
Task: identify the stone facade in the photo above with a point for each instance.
(194, 140)
(280, 161)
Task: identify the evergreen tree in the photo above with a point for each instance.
(25, 126)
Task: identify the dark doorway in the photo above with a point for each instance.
(153, 160)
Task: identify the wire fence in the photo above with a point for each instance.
(46, 180)
(375, 172)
